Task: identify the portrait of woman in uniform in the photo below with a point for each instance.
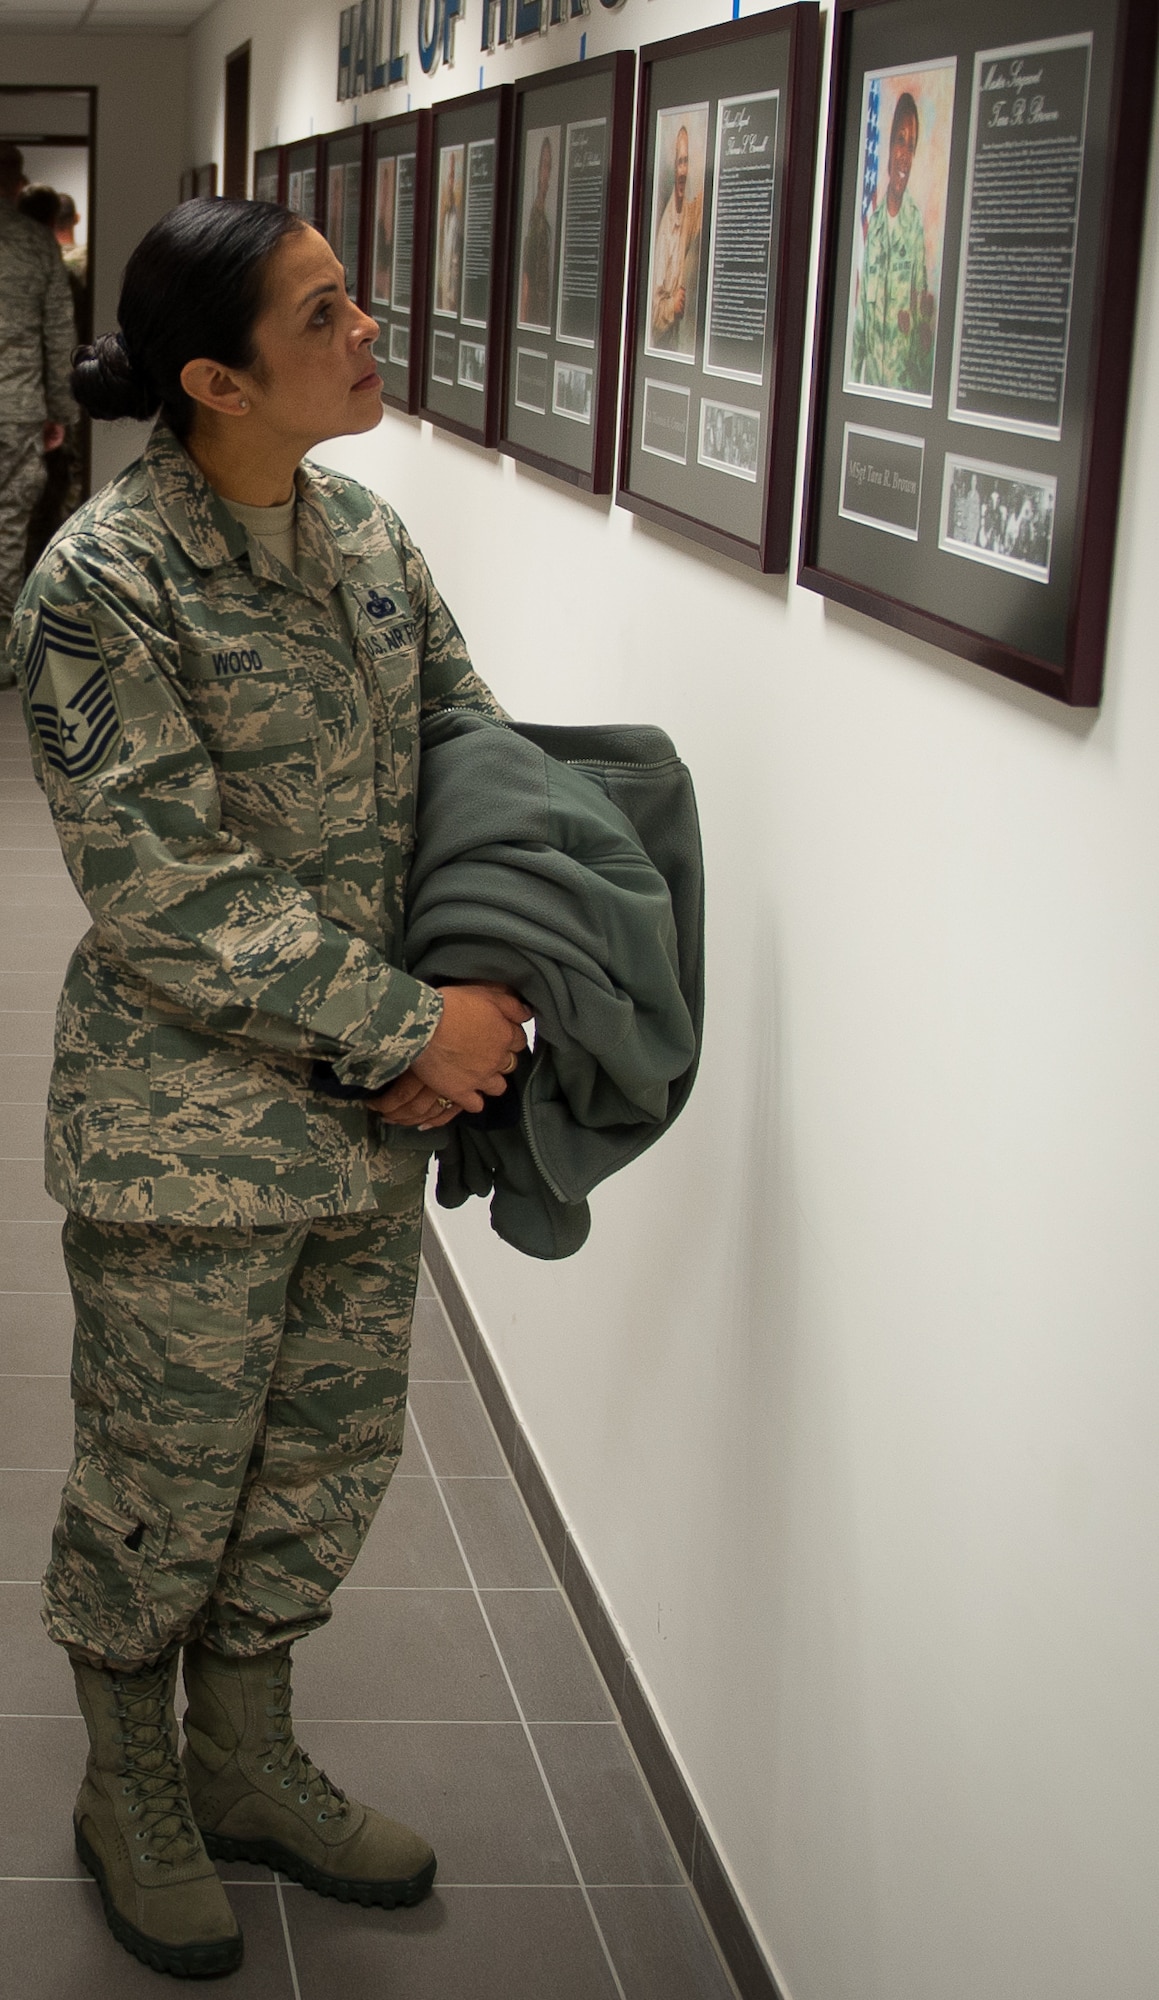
(537, 234)
(382, 269)
(449, 231)
(896, 275)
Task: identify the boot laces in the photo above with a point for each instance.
(152, 1773)
(285, 1755)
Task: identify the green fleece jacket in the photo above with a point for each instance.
(566, 863)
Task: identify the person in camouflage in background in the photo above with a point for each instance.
(37, 336)
(893, 326)
(223, 689)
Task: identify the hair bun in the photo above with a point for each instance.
(106, 383)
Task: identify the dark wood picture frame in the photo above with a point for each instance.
(1032, 606)
(205, 181)
(185, 185)
(304, 156)
(269, 167)
(748, 517)
(480, 118)
(343, 150)
(605, 85)
(397, 137)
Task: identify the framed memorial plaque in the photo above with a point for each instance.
(268, 174)
(342, 177)
(185, 191)
(395, 264)
(725, 134)
(304, 180)
(205, 181)
(467, 237)
(983, 211)
(572, 159)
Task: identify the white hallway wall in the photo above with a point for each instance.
(851, 1398)
(141, 83)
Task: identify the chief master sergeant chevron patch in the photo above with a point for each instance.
(70, 693)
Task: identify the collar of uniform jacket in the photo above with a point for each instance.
(198, 518)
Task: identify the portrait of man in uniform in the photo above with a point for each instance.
(538, 232)
(678, 209)
(895, 278)
(449, 233)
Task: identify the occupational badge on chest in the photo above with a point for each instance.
(70, 693)
(382, 621)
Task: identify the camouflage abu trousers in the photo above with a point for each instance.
(22, 477)
(240, 1397)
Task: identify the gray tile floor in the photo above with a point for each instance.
(452, 1686)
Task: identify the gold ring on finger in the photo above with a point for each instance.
(511, 1064)
(444, 1103)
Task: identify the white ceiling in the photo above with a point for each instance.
(102, 17)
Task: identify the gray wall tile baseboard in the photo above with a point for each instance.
(717, 1897)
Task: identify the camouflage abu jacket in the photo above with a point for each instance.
(229, 752)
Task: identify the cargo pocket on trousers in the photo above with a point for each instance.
(205, 1346)
(107, 1543)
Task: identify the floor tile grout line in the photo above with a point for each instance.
(527, 1735)
(286, 1938)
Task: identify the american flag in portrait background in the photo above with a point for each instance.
(872, 152)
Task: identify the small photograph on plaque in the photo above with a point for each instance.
(730, 439)
(571, 394)
(997, 515)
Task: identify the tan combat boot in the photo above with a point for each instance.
(135, 1831)
(257, 1797)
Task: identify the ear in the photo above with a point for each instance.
(215, 388)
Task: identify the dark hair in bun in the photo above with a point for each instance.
(192, 288)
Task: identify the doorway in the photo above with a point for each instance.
(55, 129)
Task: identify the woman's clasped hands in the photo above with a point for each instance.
(470, 1056)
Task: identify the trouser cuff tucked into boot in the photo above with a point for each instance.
(257, 1797)
(135, 1830)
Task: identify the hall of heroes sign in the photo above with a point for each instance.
(370, 51)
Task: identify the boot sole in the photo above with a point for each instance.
(372, 1895)
(184, 1961)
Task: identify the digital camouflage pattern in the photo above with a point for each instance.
(893, 327)
(230, 753)
(22, 481)
(240, 1399)
(37, 336)
(37, 325)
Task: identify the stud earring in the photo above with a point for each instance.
(243, 405)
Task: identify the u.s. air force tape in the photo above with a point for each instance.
(71, 696)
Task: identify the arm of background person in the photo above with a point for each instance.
(58, 339)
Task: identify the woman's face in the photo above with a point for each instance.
(315, 375)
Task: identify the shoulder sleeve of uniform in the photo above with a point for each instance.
(448, 678)
(96, 656)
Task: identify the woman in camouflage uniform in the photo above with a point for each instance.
(225, 657)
